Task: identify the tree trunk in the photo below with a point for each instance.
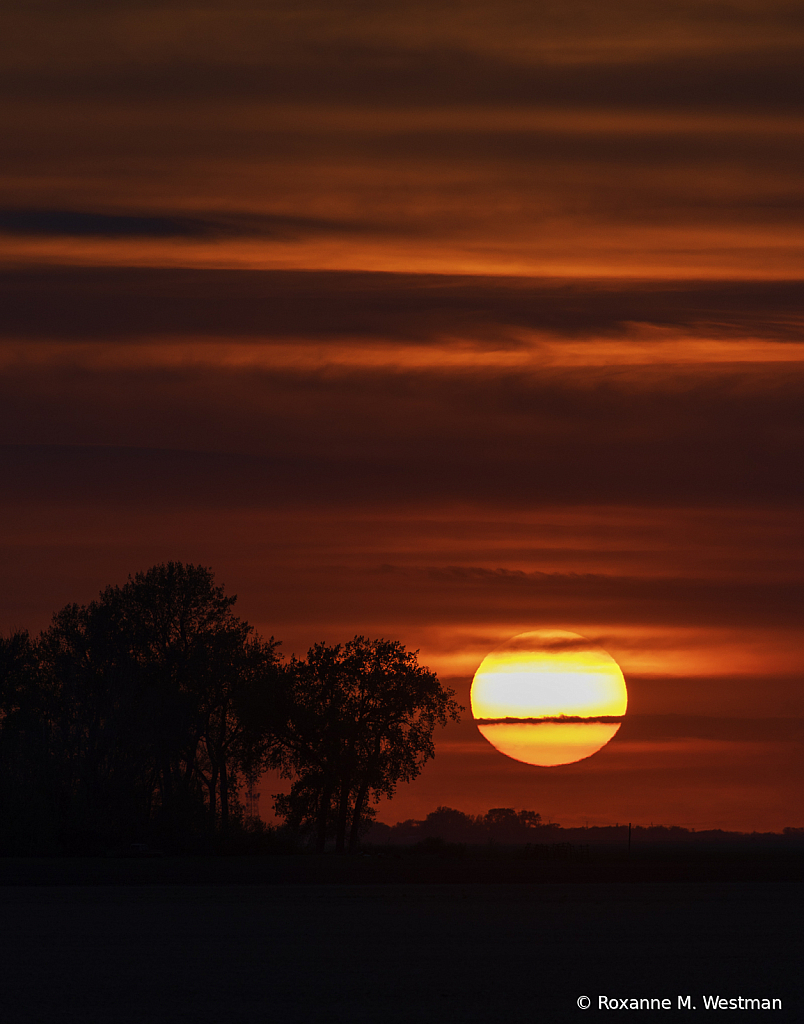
(357, 814)
(212, 786)
(224, 788)
(363, 791)
(343, 816)
(323, 815)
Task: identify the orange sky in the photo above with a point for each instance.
(440, 322)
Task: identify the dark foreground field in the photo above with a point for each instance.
(387, 953)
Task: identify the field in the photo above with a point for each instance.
(388, 953)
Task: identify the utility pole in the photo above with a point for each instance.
(629, 838)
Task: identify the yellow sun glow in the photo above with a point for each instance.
(541, 696)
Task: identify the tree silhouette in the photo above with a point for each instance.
(27, 776)
(133, 709)
(146, 710)
(192, 659)
(353, 721)
(505, 825)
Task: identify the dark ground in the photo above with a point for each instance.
(384, 952)
(439, 864)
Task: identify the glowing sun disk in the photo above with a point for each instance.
(548, 674)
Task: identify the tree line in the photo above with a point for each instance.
(147, 712)
(502, 825)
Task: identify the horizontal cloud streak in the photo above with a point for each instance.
(309, 57)
(733, 729)
(654, 142)
(674, 436)
(87, 223)
(98, 302)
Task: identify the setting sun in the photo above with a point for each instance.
(548, 697)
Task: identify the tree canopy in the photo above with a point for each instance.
(147, 710)
(128, 707)
(355, 720)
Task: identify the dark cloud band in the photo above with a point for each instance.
(98, 302)
(55, 223)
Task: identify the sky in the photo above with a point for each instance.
(439, 322)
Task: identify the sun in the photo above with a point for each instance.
(548, 697)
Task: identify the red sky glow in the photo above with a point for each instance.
(433, 322)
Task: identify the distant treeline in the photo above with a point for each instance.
(505, 826)
(501, 825)
(143, 716)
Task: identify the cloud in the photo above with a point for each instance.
(103, 302)
(732, 729)
(320, 573)
(471, 594)
(531, 139)
(677, 59)
(76, 223)
(88, 223)
(552, 644)
(616, 435)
